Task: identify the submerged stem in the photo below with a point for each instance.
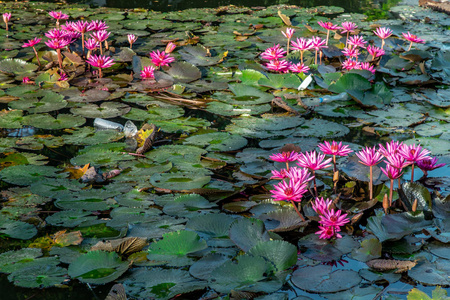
(391, 190)
(298, 212)
(371, 184)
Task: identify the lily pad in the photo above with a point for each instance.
(40, 276)
(217, 141)
(320, 279)
(248, 232)
(198, 55)
(46, 121)
(179, 181)
(184, 72)
(432, 273)
(16, 66)
(321, 128)
(214, 225)
(16, 229)
(28, 174)
(105, 111)
(97, 267)
(281, 254)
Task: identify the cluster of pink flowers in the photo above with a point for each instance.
(352, 50)
(295, 181)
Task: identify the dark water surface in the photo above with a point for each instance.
(173, 5)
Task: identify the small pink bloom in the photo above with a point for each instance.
(100, 35)
(58, 15)
(148, 72)
(58, 43)
(131, 38)
(100, 61)
(327, 232)
(63, 77)
(375, 51)
(278, 65)
(321, 206)
(97, 25)
(26, 80)
(273, 53)
(6, 17)
(413, 153)
(301, 44)
(292, 191)
(397, 161)
(328, 25)
(413, 38)
(392, 172)
(80, 26)
(333, 218)
(383, 32)
(282, 174)
(317, 43)
(350, 64)
(91, 44)
(68, 26)
(299, 174)
(367, 66)
(285, 156)
(313, 161)
(357, 41)
(32, 43)
(170, 47)
(428, 164)
(391, 148)
(299, 68)
(289, 33)
(369, 156)
(335, 149)
(348, 27)
(351, 52)
(56, 34)
(161, 58)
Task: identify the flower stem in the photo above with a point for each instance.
(315, 185)
(346, 40)
(82, 41)
(59, 58)
(298, 212)
(37, 56)
(301, 56)
(287, 46)
(391, 189)
(328, 35)
(382, 44)
(371, 184)
(287, 166)
(412, 173)
(410, 45)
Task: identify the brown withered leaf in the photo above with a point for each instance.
(290, 148)
(76, 172)
(286, 20)
(130, 246)
(145, 137)
(103, 246)
(117, 292)
(391, 264)
(63, 239)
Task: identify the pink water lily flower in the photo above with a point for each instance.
(289, 191)
(58, 43)
(161, 58)
(335, 148)
(351, 52)
(317, 43)
(91, 44)
(100, 62)
(428, 165)
(357, 41)
(350, 64)
(148, 72)
(6, 18)
(273, 53)
(329, 27)
(32, 43)
(333, 218)
(313, 161)
(97, 25)
(328, 232)
(392, 173)
(131, 39)
(412, 38)
(288, 34)
(282, 174)
(383, 33)
(278, 65)
(369, 157)
(367, 66)
(300, 174)
(299, 68)
(284, 156)
(348, 27)
(375, 51)
(100, 35)
(58, 15)
(170, 47)
(301, 44)
(321, 206)
(412, 154)
(56, 34)
(391, 148)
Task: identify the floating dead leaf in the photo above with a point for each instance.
(145, 137)
(103, 246)
(257, 26)
(286, 20)
(130, 246)
(241, 38)
(91, 175)
(390, 265)
(77, 172)
(117, 292)
(63, 239)
(310, 28)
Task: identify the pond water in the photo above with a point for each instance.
(176, 202)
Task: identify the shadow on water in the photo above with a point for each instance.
(173, 5)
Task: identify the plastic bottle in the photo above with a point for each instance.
(329, 98)
(102, 124)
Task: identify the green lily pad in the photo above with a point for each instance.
(105, 111)
(247, 95)
(224, 109)
(183, 124)
(284, 219)
(370, 249)
(321, 128)
(373, 276)
(431, 273)
(28, 174)
(189, 205)
(16, 66)
(198, 55)
(184, 72)
(248, 232)
(357, 292)
(88, 136)
(213, 225)
(320, 279)
(217, 141)
(248, 274)
(17, 259)
(326, 250)
(46, 121)
(97, 267)
(349, 82)
(40, 276)
(16, 229)
(45, 101)
(203, 268)
(411, 191)
(281, 254)
(11, 118)
(156, 283)
(179, 181)
(435, 145)
(154, 113)
(279, 81)
(70, 218)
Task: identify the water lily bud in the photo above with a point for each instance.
(385, 203)
(414, 206)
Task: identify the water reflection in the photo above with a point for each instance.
(173, 5)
